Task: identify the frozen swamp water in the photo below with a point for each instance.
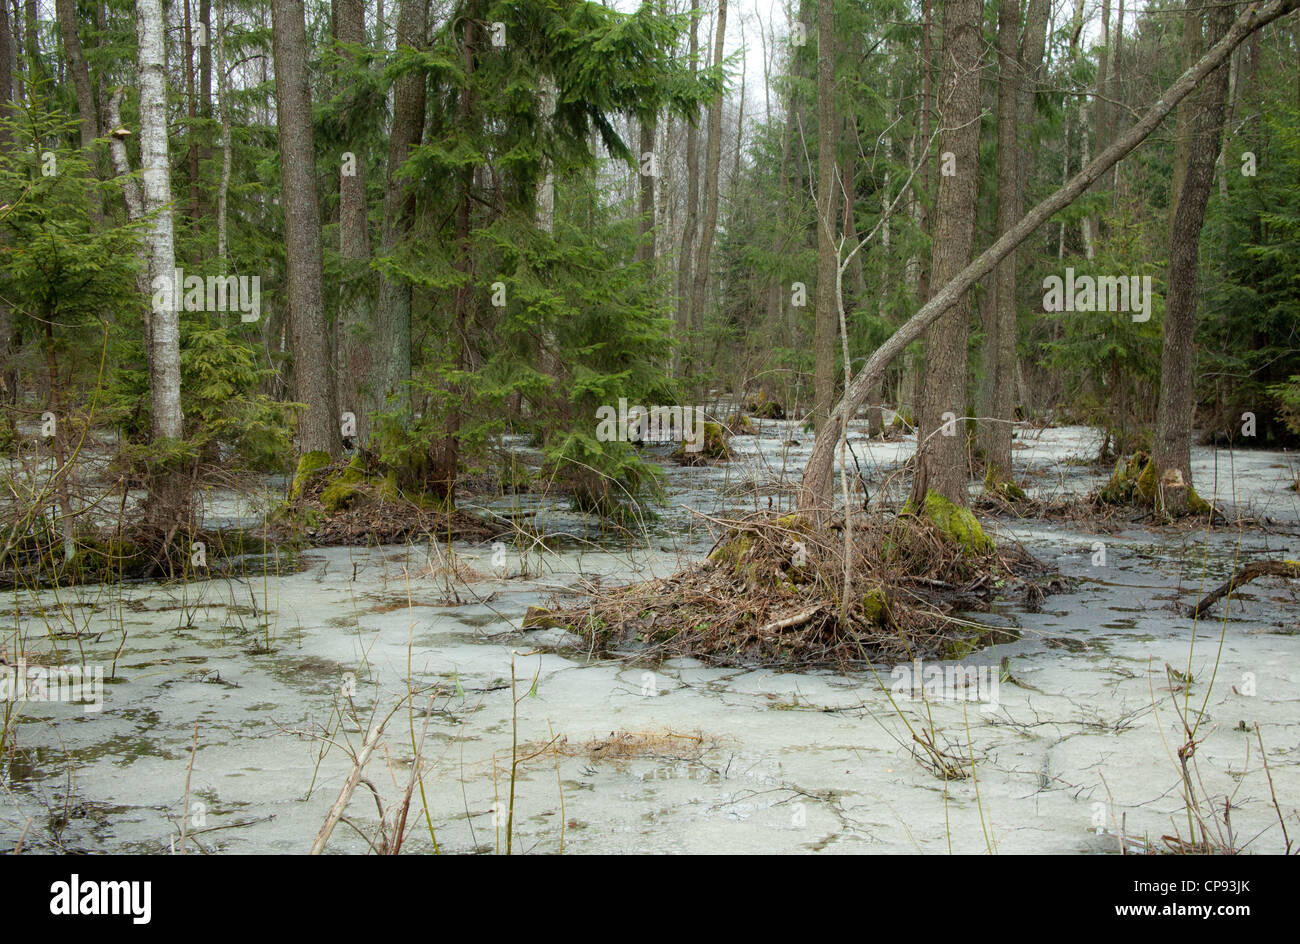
(730, 760)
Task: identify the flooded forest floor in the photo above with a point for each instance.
(233, 707)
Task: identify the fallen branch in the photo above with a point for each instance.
(1288, 569)
(354, 778)
(798, 619)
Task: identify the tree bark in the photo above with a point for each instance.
(164, 321)
(686, 259)
(167, 508)
(941, 463)
(394, 320)
(8, 371)
(354, 336)
(815, 487)
(995, 427)
(1176, 409)
(1019, 64)
(318, 427)
(223, 93)
(826, 325)
(645, 249)
(713, 163)
(66, 11)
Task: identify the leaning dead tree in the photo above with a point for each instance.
(815, 491)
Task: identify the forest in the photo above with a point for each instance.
(649, 426)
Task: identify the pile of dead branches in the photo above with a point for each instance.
(377, 515)
(772, 592)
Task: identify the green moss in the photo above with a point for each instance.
(733, 553)
(1195, 503)
(1004, 488)
(1146, 485)
(958, 649)
(1135, 481)
(714, 445)
(764, 408)
(345, 488)
(1124, 482)
(308, 465)
(875, 605)
(959, 524)
(540, 618)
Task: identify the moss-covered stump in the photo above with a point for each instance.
(712, 446)
(355, 502)
(771, 592)
(763, 407)
(309, 465)
(1136, 481)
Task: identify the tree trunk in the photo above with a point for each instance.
(164, 323)
(66, 11)
(223, 93)
(995, 427)
(686, 259)
(941, 463)
(713, 162)
(394, 320)
(8, 371)
(815, 487)
(1019, 62)
(168, 506)
(192, 109)
(318, 427)
(546, 182)
(647, 165)
(354, 338)
(826, 325)
(1100, 111)
(1175, 412)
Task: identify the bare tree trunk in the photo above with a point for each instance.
(776, 292)
(815, 488)
(546, 183)
(1175, 412)
(1018, 61)
(192, 109)
(826, 325)
(927, 111)
(942, 464)
(713, 163)
(1000, 349)
(66, 11)
(648, 163)
(1100, 113)
(8, 371)
(354, 336)
(394, 317)
(223, 93)
(164, 323)
(318, 427)
(686, 259)
(168, 507)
